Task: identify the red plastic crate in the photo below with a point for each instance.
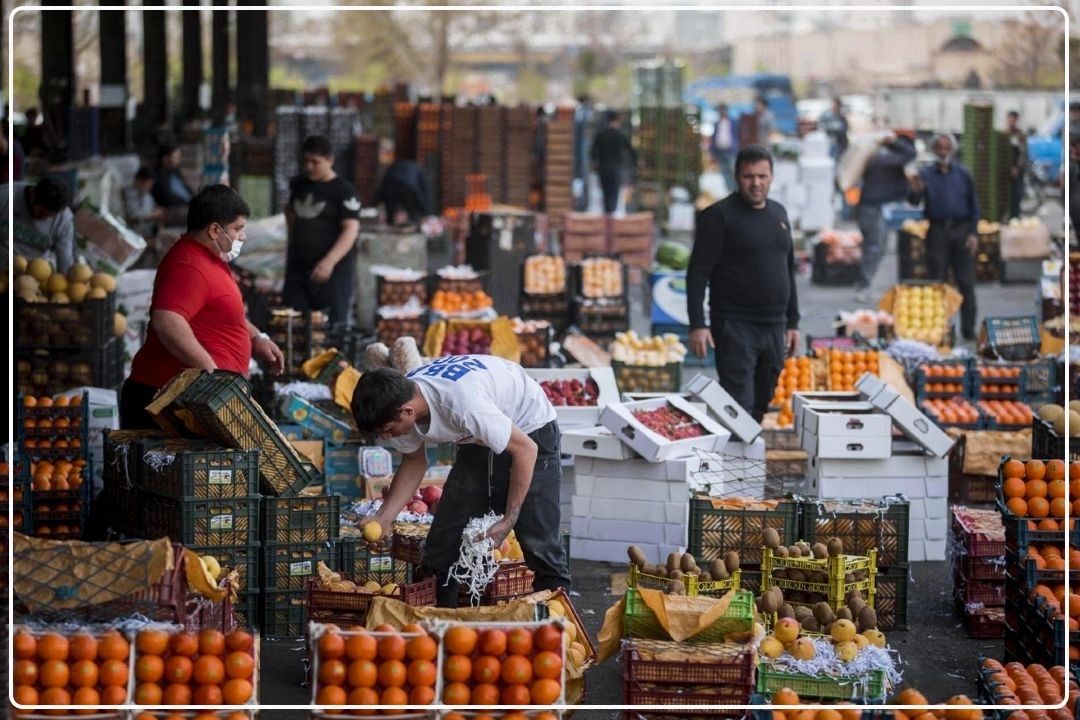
(512, 580)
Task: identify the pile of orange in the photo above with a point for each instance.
(946, 378)
(383, 667)
(70, 669)
(998, 380)
(204, 670)
(448, 302)
(1049, 557)
(951, 411)
(503, 665)
(797, 376)
(1038, 489)
(787, 696)
(847, 366)
(51, 475)
(45, 401)
(1007, 412)
(1014, 684)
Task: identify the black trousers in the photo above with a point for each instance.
(749, 358)
(395, 195)
(471, 490)
(610, 184)
(945, 248)
(335, 295)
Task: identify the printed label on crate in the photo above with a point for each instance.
(221, 477)
(381, 563)
(221, 522)
(300, 568)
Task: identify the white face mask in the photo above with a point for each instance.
(234, 250)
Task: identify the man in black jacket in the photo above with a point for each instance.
(883, 181)
(170, 190)
(404, 187)
(608, 154)
(743, 252)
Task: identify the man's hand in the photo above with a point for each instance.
(267, 350)
(700, 341)
(386, 524)
(499, 531)
(322, 271)
(791, 342)
(972, 244)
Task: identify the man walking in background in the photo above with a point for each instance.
(835, 125)
(609, 151)
(1018, 162)
(743, 253)
(722, 145)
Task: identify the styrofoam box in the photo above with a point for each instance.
(926, 550)
(581, 416)
(846, 448)
(632, 510)
(628, 532)
(630, 489)
(848, 420)
(675, 470)
(724, 408)
(915, 424)
(619, 419)
(801, 399)
(628, 397)
(595, 442)
(750, 451)
(103, 414)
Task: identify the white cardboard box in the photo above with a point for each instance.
(630, 489)
(626, 531)
(615, 552)
(914, 423)
(724, 408)
(628, 397)
(853, 448)
(801, 399)
(595, 442)
(581, 416)
(750, 451)
(896, 466)
(619, 419)
(103, 414)
(935, 508)
(674, 470)
(632, 510)
(848, 420)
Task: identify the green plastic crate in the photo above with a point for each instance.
(244, 558)
(188, 469)
(210, 522)
(303, 519)
(870, 687)
(357, 559)
(640, 622)
(288, 567)
(714, 531)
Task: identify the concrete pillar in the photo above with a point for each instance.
(219, 71)
(113, 94)
(192, 58)
(57, 90)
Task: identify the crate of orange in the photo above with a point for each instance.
(175, 667)
(383, 666)
(953, 412)
(1005, 414)
(943, 379)
(85, 667)
(1032, 498)
(844, 367)
(798, 374)
(997, 381)
(503, 663)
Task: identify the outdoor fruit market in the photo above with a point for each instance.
(403, 410)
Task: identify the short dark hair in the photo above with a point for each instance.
(1013, 114)
(143, 173)
(51, 193)
(612, 116)
(166, 149)
(215, 204)
(752, 154)
(318, 145)
(377, 398)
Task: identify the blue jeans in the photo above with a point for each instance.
(724, 161)
(874, 234)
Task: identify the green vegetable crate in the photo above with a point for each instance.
(640, 621)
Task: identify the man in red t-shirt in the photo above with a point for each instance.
(197, 317)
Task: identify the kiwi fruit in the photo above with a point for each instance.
(827, 629)
(687, 564)
(771, 538)
(820, 551)
(769, 603)
(786, 611)
(835, 547)
(759, 603)
(823, 613)
(811, 624)
(676, 587)
(856, 605)
(637, 557)
(673, 560)
(779, 593)
(657, 570)
(867, 618)
(731, 561)
(781, 552)
(780, 574)
(676, 575)
(705, 577)
(853, 593)
(794, 551)
(718, 570)
(843, 614)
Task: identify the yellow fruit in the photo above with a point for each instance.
(213, 567)
(78, 291)
(119, 324)
(39, 269)
(861, 642)
(875, 638)
(843, 631)
(388, 589)
(20, 264)
(105, 281)
(56, 283)
(96, 293)
(60, 299)
(80, 273)
(372, 531)
(803, 649)
(771, 647)
(372, 586)
(576, 654)
(497, 555)
(847, 650)
(787, 629)
(1050, 413)
(26, 286)
(556, 609)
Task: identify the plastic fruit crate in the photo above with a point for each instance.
(925, 376)
(408, 548)
(715, 531)
(869, 687)
(893, 586)
(211, 522)
(1009, 388)
(838, 568)
(1011, 338)
(288, 567)
(344, 603)
(243, 558)
(972, 543)
(1045, 443)
(48, 372)
(862, 525)
(739, 670)
(284, 614)
(987, 623)
(647, 378)
(358, 560)
(982, 569)
(398, 292)
(303, 519)
(639, 620)
(512, 580)
(636, 694)
(974, 592)
(694, 587)
(185, 470)
(86, 324)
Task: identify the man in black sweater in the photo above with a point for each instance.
(743, 252)
(608, 153)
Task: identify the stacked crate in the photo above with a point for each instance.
(366, 169)
(406, 118)
(559, 166)
(977, 557)
(598, 312)
(519, 139)
(491, 145)
(669, 152)
(631, 237)
(986, 153)
(881, 524)
(459, 155)
(429, 146)
(583, 234)
(300, 335)
(720, 673)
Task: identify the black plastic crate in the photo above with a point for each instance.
(244, 558)
(535, 345)
(302, 519)
(862, 525)
(48, 372)
(209, 523)
(1040, 382)
(577, 279)
(923, 380)
(601, 317)
(399, 292)
(186, 470)
(357, 559)
(284, 614)
(826, 273)
(86, 324)
(714, 531)
(288, 567)
(1045, 443)
(647, 378)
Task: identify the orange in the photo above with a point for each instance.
(239, 640)
(1013, 469)
(493, 643)
(422, 695)
(84, 673)
(485, 694)
(1034, 470)
(1056, 489)
(152, 642)
(519, 641)
(547, 665)
(362, 674)
(113, 646)
(486, 669)
(207, 695)
(1038, 507)
(113, 695)
(363, 696)
(29, 401)
(545, 691)
(82, 647)
(1014, 487)
(1058, 506)
(517, 670)
(239, 665)
(393, 696)
(548, 637)
(331, 646)
(460, 640)
(237, 691)
(24, 646)
(1036, 489)
(515, 695)
(208, 670)
(1017, 507)
(149, 668)
(421, 673)
(55, 696)
(178, 669)
(86, 696)
(911, 696)
(1055, 470)
(1048, 524)
(211, 642)
(113, 673)
(421, 648)
(392, 647)
(392, 673)
(332, 672)
(25, 672)
(147, 694)
(457, 668)
(1074, 470)
(52, 647)
(456, 693)
(330, 695)
(361, 647)
(786, 696)
(176, 694)
(53, 673)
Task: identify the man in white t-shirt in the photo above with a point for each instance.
(508, 457)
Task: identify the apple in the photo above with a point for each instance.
(418, 506)
(431, 494)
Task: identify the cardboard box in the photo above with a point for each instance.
(615, 552)
(751, 451)
(628, 397)
(914, 424)
(103, 414)
(568, 417)
(628, 532)
(595, 442)
(629, 510)
(724, 408)
(865, 448)
(854, 421)
(936, 550)
(630, 489)
(619, 419)
(896, 466)
(318, 422)
(800, 399)
(313, 450)
(674, 470)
